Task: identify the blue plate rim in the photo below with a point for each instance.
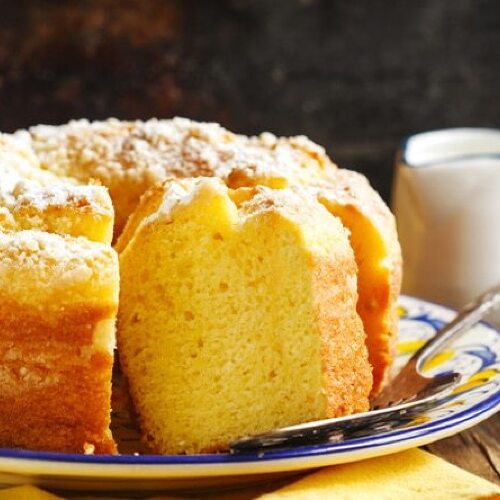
(383, 439)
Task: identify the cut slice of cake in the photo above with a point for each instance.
(58, 301)
(237, 315)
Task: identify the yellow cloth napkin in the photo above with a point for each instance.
(409, 475)
(412, 474)
(26, 492)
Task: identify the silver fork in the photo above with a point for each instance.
(408, 394)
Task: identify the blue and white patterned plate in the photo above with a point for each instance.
(476, 355)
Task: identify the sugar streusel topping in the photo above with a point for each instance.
(36, 264)
(30, 194)
(112, 149)
(31, 246)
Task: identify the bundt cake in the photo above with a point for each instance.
(238, 315)
(58, 300)
(54, 183)
(129, 157)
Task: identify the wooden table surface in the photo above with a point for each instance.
(476, 450)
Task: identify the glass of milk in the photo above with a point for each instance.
(446, 199)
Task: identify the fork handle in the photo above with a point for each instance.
(471, 314)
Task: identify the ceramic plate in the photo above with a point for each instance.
(476, 355)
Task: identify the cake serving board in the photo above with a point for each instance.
(476, 355)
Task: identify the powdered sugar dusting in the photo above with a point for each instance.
(55, 260)
(30, 194)
(129, 157)
(33, 246)
(18, 162)
(155, 149)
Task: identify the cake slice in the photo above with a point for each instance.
(58, 301)
(237, 315)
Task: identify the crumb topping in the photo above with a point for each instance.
(32, 246)
(23, 194)
(155, 149)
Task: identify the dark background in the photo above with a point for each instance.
(354, 75)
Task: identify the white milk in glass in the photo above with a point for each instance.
(446, 199)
